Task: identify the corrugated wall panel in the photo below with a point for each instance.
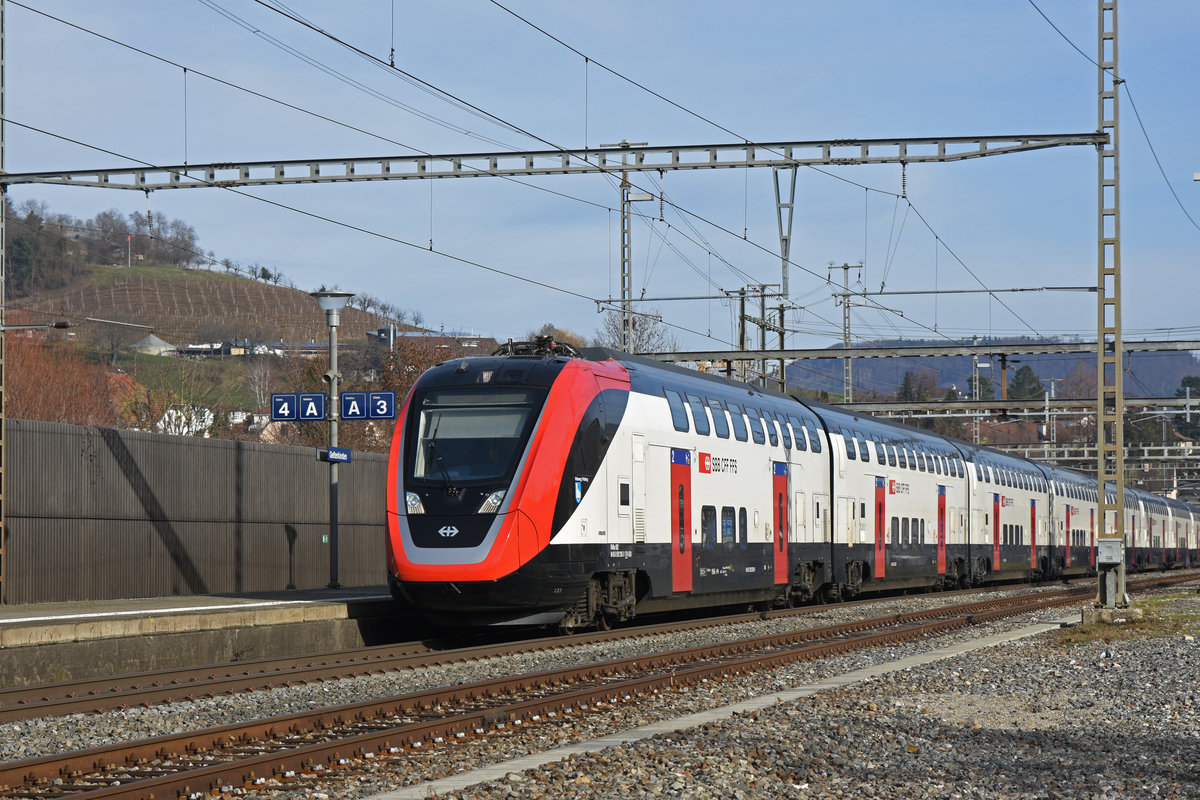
(97, 513)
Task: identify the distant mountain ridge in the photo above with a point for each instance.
(1156, 374)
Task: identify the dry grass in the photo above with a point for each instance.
(1166, 615)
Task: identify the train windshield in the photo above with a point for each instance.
(471, 435)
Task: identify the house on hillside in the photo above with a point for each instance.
(460, 342)
(238, 348)
(186, 420)
(201, 350)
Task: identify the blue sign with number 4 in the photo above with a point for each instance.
(284, 408)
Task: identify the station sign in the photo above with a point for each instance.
(312, 406)
(284, 408)
(368, 405)
(381, 405)
(292, 407)
(334, 455)
(306, 407)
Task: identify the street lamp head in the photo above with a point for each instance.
(332, 301)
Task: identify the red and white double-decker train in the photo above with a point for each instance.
(556, 487)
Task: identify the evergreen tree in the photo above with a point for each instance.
(1189, 386)
(1025, 385)
(984, 390)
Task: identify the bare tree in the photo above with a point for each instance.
(649, 333)
(259, 372)
(558, 334)
(54, 382)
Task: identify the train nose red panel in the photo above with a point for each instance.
(522, 533)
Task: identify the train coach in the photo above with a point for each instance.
(551, 486)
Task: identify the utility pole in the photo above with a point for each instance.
(627, 197)
(1110, 390)
(974, 391)
(3, 342)
(844, 299)
(1004, 374)
(742, 327)
(762, 334)
(1053, 433)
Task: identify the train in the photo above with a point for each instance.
(577, 488)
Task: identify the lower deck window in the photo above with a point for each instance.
(708, 527)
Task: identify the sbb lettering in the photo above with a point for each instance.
(709, 464)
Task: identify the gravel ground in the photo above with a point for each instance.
(1030, 719)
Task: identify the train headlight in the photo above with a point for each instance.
(492, 504)
(413, 502)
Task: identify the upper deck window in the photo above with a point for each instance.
(718, 415)
(756, 428)
(783, 430)
(679, 416)
(739, 422)
(814, 433)
(798, 429)
(699, 414)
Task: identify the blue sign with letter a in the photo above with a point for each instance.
(354, 405)
(312, 406)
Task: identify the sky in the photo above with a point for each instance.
(501, 257)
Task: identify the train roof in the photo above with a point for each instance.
(649, 373)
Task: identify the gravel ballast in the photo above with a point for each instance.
(1027, 719)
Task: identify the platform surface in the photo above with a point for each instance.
(50, 623)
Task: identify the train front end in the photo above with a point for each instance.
(475, 476)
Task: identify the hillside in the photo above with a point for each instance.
(187, 306)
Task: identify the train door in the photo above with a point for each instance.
(800, 531)
(1092, 538)
(1033, 521)
(845, 521)
(941, 530)
(681, 520)
(880, 530)
(995, 531)
(779, 482)
(639, 488)
(821, 521)
(1071, 536)
(848, 517)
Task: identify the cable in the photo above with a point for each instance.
(352, 227)
(442, 93)
(285, 104)
(732, 133)
(1132, 104)
(256, 31)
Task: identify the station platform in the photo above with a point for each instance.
(41, 643)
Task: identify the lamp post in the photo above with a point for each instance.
(332, 302)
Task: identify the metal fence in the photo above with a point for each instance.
(99, 513)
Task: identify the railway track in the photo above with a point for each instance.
(277, 750)
(173, 685)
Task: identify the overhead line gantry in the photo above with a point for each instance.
(511, 164)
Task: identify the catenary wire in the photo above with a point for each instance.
(1132, 104)
(464, 104)
(635, 83)
(356, 228)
